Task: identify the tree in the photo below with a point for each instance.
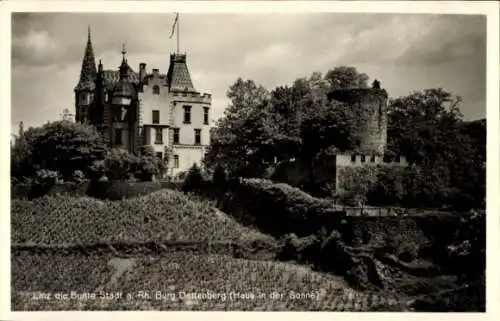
(346, 77)
(244, 95)
(428, 129)
(19, 155)
(261, 127)
(328, 125)
(61, 146)
(243, 137)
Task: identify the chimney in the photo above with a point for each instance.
(156, 73)
(142, 71)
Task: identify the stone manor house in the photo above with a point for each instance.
(134, 109)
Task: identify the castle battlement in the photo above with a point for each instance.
(355, 160)
(191, 97)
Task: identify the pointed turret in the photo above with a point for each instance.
(124, 67)
(124, 89)
(89, 70)
(178, 77)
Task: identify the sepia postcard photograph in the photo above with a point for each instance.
(266, 160)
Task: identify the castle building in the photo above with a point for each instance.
(135, 109)
(370, 108)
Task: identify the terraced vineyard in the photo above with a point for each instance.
(162, 216)
(149, 251)
(182, 281)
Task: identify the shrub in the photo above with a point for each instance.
(355, 184)
(78, 176)
(194, 180)
(149, 165)
(180, 177)
(219, 178)
(388, 189)
(44, 181)
(118, 190)
(96, 170)
(147, 168)
(120, 164)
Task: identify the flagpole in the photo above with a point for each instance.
(178, 27)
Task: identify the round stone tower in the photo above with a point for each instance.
(370, 108)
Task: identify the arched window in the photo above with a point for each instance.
(156, 90)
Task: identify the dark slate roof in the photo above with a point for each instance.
(88, 71)
(178, 77)
(124, 89)
(85, 85)
(112, 77)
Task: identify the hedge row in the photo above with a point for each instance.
(109, 190)
(278, 208)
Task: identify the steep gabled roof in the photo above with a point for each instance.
(88, 71)
(178, 78)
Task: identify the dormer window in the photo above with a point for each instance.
(156, 90)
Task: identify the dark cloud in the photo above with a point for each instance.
(449, 37)
(405, 51)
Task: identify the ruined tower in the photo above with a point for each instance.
(370, 109)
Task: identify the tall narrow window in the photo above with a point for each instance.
(118, 136)
(353, 158)
(187, 114)
(159, 136)
(197, 136)
(363, 158)
(156, 90)
(176, 135)
(159, 155)
(176, 161)
(205, 115)
(156, 116)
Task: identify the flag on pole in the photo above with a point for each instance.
(174, 25)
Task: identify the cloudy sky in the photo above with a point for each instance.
(405, 52)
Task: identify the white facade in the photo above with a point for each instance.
(183, 118)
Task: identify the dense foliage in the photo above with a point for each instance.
(262, 129)
(428, 129)
(76, 152)
(61, 146)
